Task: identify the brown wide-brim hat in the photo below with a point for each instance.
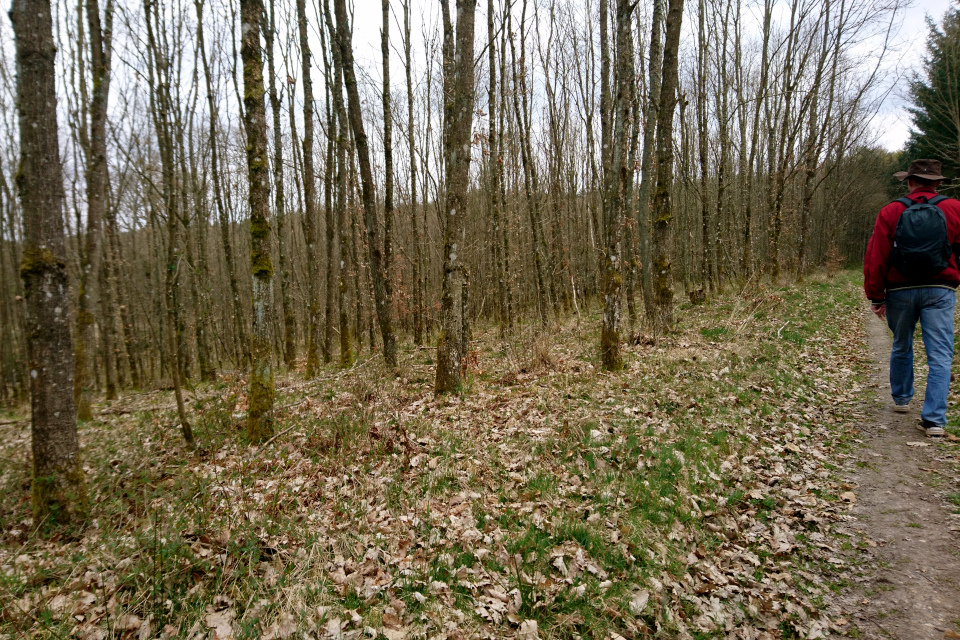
(925, 169)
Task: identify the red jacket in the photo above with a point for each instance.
(879, 277)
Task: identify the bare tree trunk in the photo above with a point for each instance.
(531, 184)
(458, 124)
(630, 257)
(417, 261)
(289, 326)
(662, 206)
(703, 140)
(329, 216)
(59, 492)
(343, 217)
(616, 182)
(97, 183)
(747, 259)
(723, 109)
(162, 108)
(496, 174)
(261, 390)
(309, 196)
(502, 191)
(387, 274)
(375, 243)
(107, 323)
(647, 158)
(813, 148)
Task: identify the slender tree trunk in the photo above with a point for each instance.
(97, 183)
(723, 113)
(126, 326)
(375, 244)
(107, 327)
(261, 391)
(630, 257)
(162, 108)
(458, 124)
(502, 190)
(662, 204)
(329, 215)
(647, 158)
(343, 219)
(813, 149)
(287, 311)
(531, 185)
(417, 262)
(703, 139)
(387, 196)
(59, 492)
(747, 258)
(616, 183)
(496, 172)
(309, 196)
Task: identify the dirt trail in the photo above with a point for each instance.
(909, 587)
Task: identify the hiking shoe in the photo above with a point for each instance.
(902, 408)
(932, 429)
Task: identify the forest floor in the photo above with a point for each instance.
(731, 482)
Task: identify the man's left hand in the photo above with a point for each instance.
(879, 310)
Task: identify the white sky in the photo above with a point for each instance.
(893, 120)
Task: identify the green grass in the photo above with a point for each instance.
(542, 457)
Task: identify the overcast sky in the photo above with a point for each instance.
(893, 121)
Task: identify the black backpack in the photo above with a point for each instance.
(921, 248)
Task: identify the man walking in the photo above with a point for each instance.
(910, 273)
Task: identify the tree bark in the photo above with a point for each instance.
(458, 124)
(261, 391)
(287, 311)
(388, 190)
(343, 218)
(58, 489)
(309, 196)
(647, 158)
(496, 175)
(662, 205)
(615, 183)
(97, 183)
(703, 140)
(417, 262)
(329, 216)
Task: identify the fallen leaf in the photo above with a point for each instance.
(918, 444)
(219, 622)
(391, 620)
(639, 602)
(128, 622)
(528, 630)
(848, 496)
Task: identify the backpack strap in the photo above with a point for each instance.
(905, 201)
(937, 200)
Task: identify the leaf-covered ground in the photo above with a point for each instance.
(693, 495)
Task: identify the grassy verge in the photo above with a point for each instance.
(687, 496)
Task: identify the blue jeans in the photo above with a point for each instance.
(933, 307)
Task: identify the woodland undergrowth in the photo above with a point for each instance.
(695, 494)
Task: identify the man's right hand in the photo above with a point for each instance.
(879, 310)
